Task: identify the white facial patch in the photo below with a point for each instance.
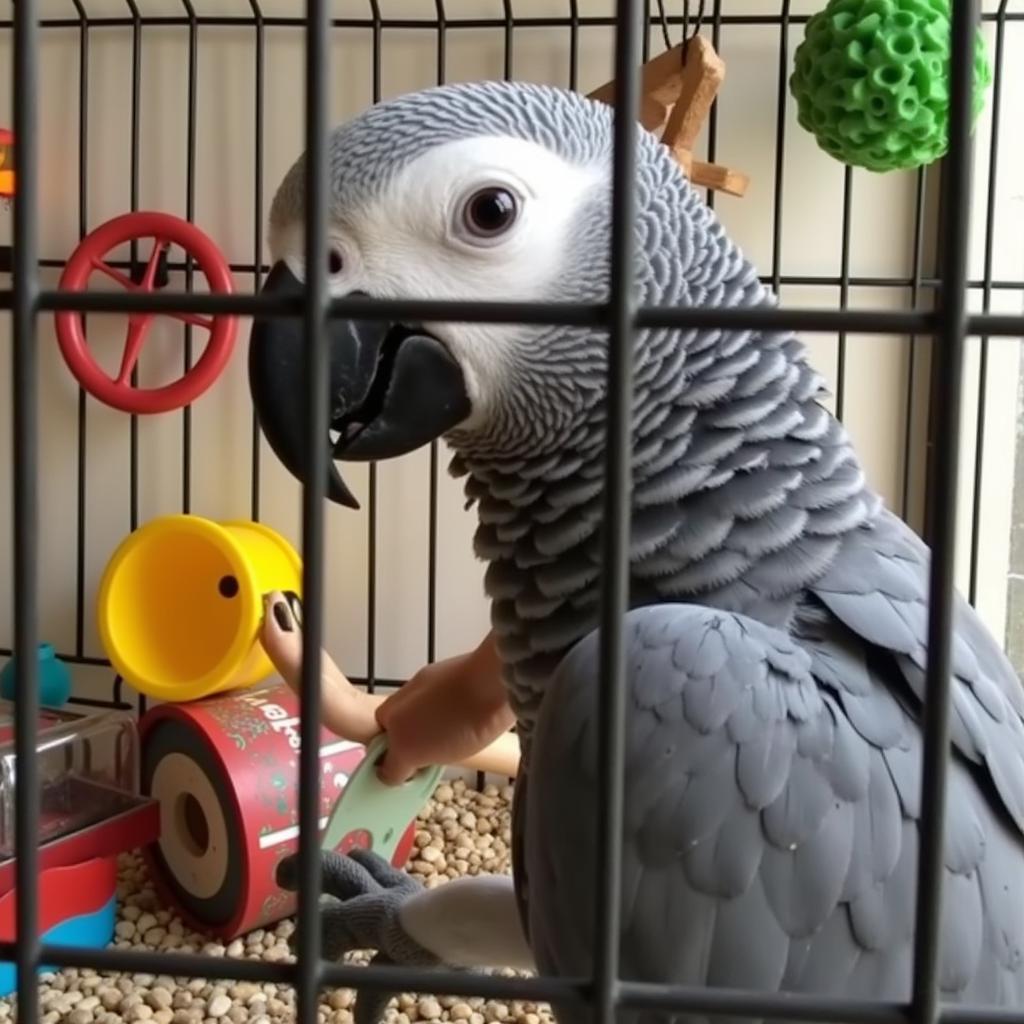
(410, 244)
(415, 215)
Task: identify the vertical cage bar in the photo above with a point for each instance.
(25, 459)
(432, 557)
(574, 43)
(990, 227)
(83, 221)
(915, 293)
(716, 42)
(844, 290)
(313, 496)
(508, 41)
(442, 39)
(136, 113)
(616, 512)
(136, 116)
(257, 241)
(942, 493)
(780, 147)
(372, 508)
(442, 75)
(190, 210)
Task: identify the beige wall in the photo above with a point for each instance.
(881, 246)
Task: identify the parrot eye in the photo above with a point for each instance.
(335, 262)
(490, 212)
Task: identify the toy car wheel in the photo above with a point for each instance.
(89, 257)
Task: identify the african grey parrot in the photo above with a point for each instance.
(776, 636)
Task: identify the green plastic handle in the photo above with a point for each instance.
(378, 812)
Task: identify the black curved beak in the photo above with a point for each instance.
(392, 389)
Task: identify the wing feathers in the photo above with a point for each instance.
(772, 815)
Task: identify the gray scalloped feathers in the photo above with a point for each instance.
(878, 587)
(775, 646)
(770, 843)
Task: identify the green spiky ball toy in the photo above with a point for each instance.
(871, 81)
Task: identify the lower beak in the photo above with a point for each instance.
(392, 389)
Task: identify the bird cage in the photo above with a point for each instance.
(877, 199)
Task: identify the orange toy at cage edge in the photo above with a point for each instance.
(6, 165)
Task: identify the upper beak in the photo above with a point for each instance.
(392, 388)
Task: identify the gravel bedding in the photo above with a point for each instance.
(459, 832)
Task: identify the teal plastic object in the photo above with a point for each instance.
(373, 815)
(54, 678)
(88, 931)
(871, 81)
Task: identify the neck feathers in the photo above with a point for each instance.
(743, 489)
(743, 484)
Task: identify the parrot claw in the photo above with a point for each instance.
(365, 894)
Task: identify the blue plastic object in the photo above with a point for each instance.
(54, 678)
(89, 931)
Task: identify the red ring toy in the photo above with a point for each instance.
(88, 257)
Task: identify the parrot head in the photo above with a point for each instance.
(488, 191)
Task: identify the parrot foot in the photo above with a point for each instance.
(367, 895)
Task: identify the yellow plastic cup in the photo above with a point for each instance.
(180, 604)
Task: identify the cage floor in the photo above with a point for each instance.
(460, 831)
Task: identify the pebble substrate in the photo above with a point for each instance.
(461, 831)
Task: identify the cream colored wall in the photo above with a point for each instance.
(881, 245)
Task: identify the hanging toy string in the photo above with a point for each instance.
(688, 36)
(664, 25)
(677, 97)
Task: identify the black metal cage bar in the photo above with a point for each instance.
(951, 324)
(25, 499)
(943, 480)
(315, 208)
(608, 797)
